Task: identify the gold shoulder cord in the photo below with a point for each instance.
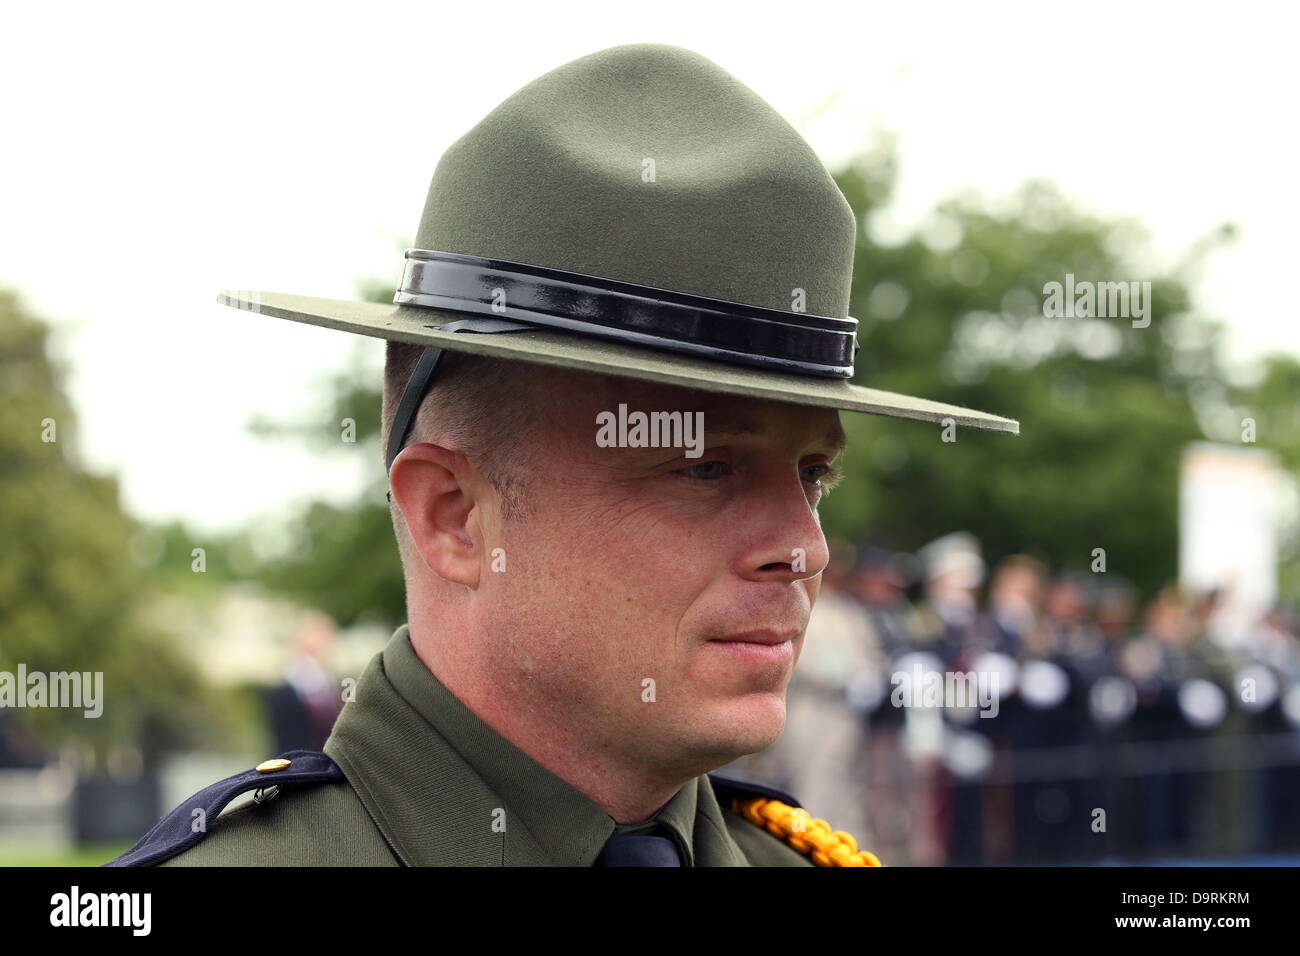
(807, 835)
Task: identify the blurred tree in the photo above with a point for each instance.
(343, 559)
(69, 585)
(955, 313)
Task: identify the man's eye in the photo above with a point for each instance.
(824, 475)
(828, 477)
(811, 473)
(704, 470)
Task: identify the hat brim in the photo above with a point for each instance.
(420, 326)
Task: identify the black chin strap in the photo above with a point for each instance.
(422, 378)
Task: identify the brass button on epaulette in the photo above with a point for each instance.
(271, 766)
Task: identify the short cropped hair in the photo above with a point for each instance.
(477, 405)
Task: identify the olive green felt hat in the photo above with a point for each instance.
(637, 212)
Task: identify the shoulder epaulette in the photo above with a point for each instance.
(187, 825)
(780, 815)
(731, 788)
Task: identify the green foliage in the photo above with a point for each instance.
(1105, 408)
(70, 589)
(1273, 402)
(343, 560)
(90, 854)
(346, 564)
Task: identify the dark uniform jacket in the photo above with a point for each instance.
(425, 782)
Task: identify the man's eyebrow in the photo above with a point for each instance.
(837, 439)
(724, 424)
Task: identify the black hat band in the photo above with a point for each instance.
(646, 316)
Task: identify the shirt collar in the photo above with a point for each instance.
(563, 820)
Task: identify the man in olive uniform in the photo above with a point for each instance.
(614, 366)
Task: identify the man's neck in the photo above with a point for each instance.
(629, 795)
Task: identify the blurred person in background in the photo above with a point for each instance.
(879, 582)
(1115, 611)
(1069, 608)
(302, 709)
(1014, 624)
(1274, 808)
(1158, 662)
(1041, 715)
(949, 614)
(1220, 779)
(1108, 699)
(945, 626)
(1274, 641)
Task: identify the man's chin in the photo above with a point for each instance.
(744, 725)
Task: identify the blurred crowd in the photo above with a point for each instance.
(1114, 730)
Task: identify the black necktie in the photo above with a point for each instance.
(641, 849)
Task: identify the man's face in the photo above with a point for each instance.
(635, 566)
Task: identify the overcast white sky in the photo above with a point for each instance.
(154, 154)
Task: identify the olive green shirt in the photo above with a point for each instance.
(430, 784)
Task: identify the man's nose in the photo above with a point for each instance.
(787, 542)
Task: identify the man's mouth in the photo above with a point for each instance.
(770, 638)
(762, 649)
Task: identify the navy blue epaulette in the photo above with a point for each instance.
(729, 788)
(185, 826)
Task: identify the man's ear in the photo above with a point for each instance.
(434, 489)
